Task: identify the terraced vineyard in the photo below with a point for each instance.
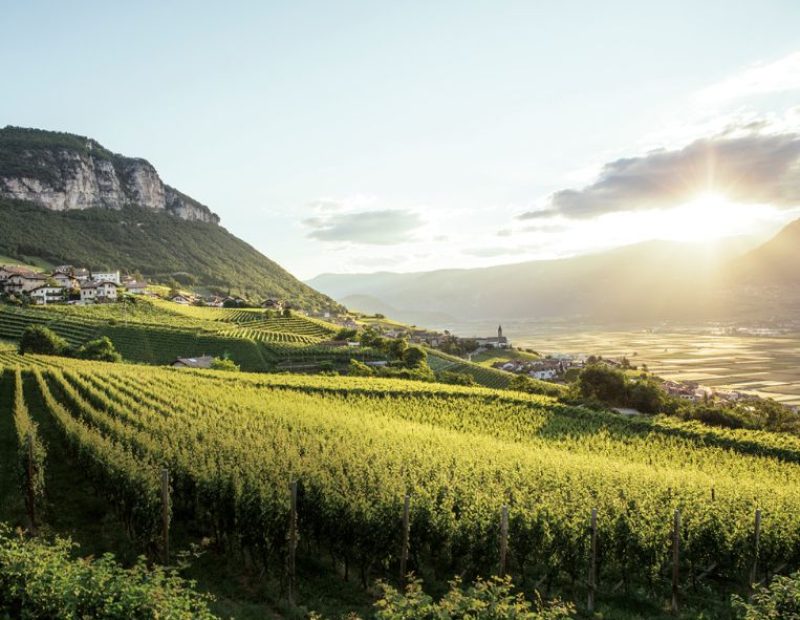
(233, 442)
(156, 332)
(488, 377)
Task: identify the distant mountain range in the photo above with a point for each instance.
(66, 199)
(655, 280)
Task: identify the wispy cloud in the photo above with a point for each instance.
(779, 76)
(380, 227)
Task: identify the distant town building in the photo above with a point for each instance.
(500, 342)
(204, 361)
(47, 294)
(98, 291)
(109, 276)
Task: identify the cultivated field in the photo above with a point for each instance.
(765, 365)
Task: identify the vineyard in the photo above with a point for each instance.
(356, 447)
(156, 332)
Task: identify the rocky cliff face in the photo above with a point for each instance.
(64, 171)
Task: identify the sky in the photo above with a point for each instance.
(408, 136)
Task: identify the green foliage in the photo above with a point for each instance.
(523, 383)
(100, 349)
(359, 369)
(415, 357)
(158, 245)
(490, 599)
(40, 339)
(604, 384)
(455, 378)
(225, 363)
(345, 334)
(780, 600)
(31, 453)
(42, 580)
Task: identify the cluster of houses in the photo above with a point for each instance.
(692, 391)
(547, 369)
(215, 301)
(66, 284)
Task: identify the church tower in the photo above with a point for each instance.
(499, 333)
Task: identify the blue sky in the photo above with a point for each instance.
(360, 136)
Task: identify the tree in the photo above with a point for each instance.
(359, 369)
(224, 363)
(415, 357)
(396, 348)
(40, 339)
(646, 396)
(101, 350)
(602, 383)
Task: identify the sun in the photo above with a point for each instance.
(707, 216)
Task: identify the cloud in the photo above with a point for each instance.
(782, 75)
(382, 227)
(751, 168)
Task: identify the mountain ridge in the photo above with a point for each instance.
(65, 198)
(63, 171)
(653, 280)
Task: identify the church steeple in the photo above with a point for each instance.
(499, 332)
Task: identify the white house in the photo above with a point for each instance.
(110, 276)
(47, 294)
(136, 287)
(66, 280)
(98, 291)
(24, 282)
(545, 374)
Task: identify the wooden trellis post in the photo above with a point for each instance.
(406, 536)
(756, 544)
(165, 514)
(593, 562)
(676, 553)
(503, 539)
(291, 561)
(31, 487)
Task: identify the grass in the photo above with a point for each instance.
(492, 356)
(36, 264)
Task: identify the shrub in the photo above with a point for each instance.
(101, 349)
(779, 599)
(490, 599)
(41, 580)
(224, 363)
(455, 378)
(40, 339)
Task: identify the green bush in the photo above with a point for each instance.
(491, 599)
(224, 363)
(101, 349)
(779, 600)
(41, 580)
(40, 339)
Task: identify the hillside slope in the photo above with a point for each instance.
(66, 199)
(153, 243)
(652, 280)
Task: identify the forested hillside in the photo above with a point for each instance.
(156, 244)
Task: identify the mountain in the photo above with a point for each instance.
(647, 281)
(66, 199)
(62, 171)
(773, 263)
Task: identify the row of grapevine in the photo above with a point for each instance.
(31, 452)
(234, 443)
(128, 480)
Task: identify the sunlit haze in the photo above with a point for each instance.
(359, 137)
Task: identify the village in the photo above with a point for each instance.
(67, 284)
